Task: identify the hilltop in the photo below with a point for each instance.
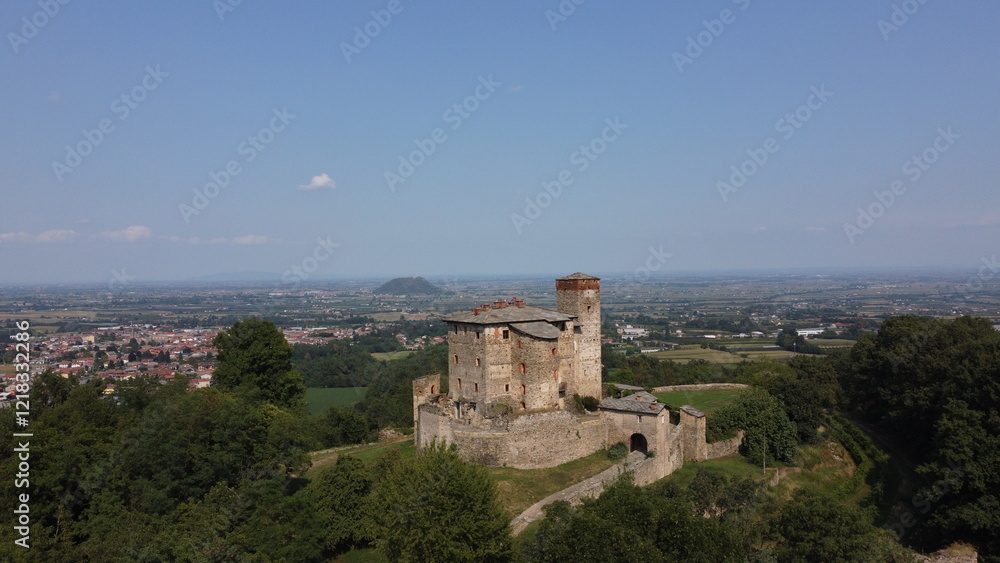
(408, 286)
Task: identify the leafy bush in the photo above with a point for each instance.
(617, 451)
(590, 403)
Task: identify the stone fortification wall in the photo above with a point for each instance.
(432, 424)
(574, 494)
(724, 447)
(698, 387)
(622, 425)
(533, 440)
(693, 434)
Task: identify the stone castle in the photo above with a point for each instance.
(513, 371)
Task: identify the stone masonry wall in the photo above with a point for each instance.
(693, 433)
(532, 441)
(724, 447)
(698, 387)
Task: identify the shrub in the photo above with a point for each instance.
(617, 451)
(590, 403)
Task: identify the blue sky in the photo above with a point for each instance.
(648, 111)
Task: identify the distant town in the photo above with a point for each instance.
(166, 331)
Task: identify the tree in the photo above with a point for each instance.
(255, 361)
(813, 527)
(767, 426)
(935, 385)
(341, 498)
(436, 507)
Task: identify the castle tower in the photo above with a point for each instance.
(579, 295)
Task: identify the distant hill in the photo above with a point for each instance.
(408, 286)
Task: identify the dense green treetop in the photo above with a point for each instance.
(255, 361)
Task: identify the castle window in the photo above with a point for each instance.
(518, 344)
(454, 359)
(506, 334)
(588, 308)
(522, 368)
(477, 362)
(562, 326)
(638, 418)
(562, 390)
(506, 388)
(523, 389)
(432, 389)
(523, 407)
(477, 335)
(476, 388)
(456, 328)
(554, 351)
(555, 374)
(459, 381)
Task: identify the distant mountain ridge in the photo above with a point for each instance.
(408, 286)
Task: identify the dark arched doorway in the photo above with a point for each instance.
(637, 443)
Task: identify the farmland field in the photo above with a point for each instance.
(689, 352)
(833, 342)
(320, 399)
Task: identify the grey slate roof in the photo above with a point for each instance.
(692, 411)
(508, 314)
(538, 329)
(639, 403)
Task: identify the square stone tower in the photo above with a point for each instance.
(579, 295)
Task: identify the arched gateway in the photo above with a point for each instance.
(637, 443)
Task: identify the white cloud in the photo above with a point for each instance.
(15, 237)
(129, 234)
(54, 235)
(250, 239)
(319, 182)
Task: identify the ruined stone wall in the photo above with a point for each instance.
(432, 424)
(533, 440)
(423, 389)
(675, 451)
(693, 434)
(698, 387)
(724, 447)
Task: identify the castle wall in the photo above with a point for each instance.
(432, 424)
(693, 434)
(424, 388)
(543, 371)
(724, 447)
(466, 380)
(698, 387)
(532, 441)
(620, 426)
